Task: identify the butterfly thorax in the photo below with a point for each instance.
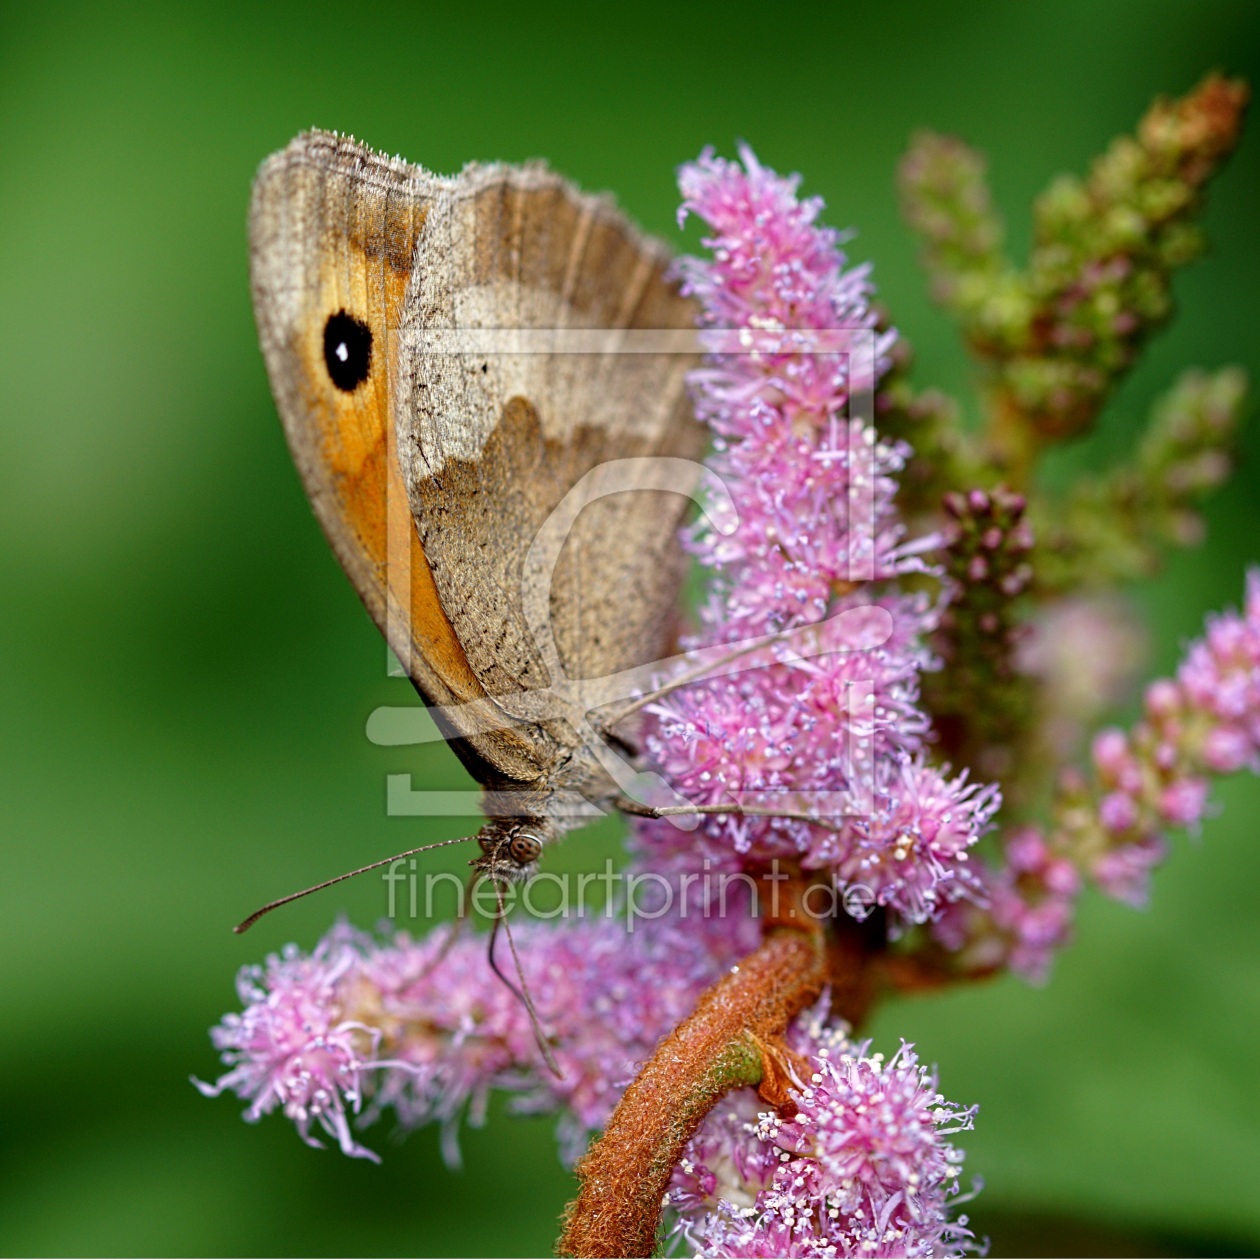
(557, 801)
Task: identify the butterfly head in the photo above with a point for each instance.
(510, 849)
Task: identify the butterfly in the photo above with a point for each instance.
(433, 469)
(482, 380)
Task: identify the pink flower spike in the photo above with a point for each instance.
(426, 1028)
(1204, 721)
(813, 487)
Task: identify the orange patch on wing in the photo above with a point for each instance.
(357, 440)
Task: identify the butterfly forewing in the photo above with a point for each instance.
(432, 467)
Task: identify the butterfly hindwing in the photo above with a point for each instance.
(491, 442)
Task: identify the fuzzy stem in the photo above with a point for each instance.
(720, 1046)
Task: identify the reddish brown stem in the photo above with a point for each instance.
(726, 1042)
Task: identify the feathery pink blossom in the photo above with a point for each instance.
(864, 1166)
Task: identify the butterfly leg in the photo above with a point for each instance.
(852, 630)
(628, 806)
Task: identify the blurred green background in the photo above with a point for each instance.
(186, 675)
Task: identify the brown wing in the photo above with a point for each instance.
(333, 234)
(491, 439)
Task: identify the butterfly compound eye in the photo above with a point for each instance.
(525, 849)
(347, 351)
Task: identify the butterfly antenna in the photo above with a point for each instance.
(246, 924)
(522, 994)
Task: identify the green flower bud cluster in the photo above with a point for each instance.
(1057, 335)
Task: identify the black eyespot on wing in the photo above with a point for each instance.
(347, 351)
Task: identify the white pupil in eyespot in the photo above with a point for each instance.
(342, 352)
